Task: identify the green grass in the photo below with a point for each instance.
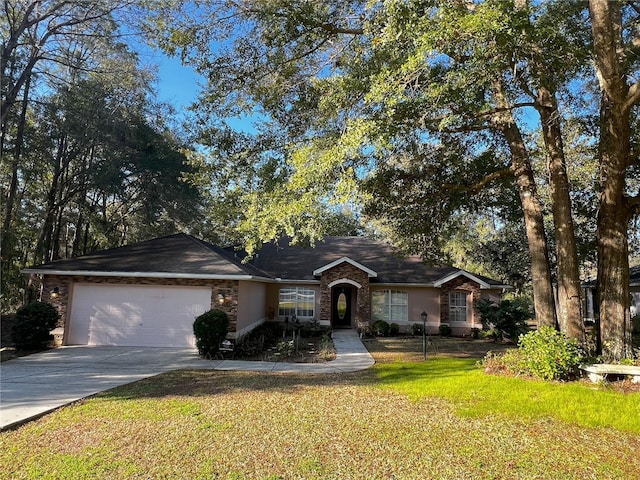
(443, 419)
(475, 394)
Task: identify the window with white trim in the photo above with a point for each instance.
(457, 306)
(390, 305)
(298, 301)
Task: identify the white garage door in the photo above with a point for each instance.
(135, 315)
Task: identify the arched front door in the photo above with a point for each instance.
(341, 306)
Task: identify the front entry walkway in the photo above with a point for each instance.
(351, 356)
(34, 385)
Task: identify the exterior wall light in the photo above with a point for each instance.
(55, 292)
(220, 298)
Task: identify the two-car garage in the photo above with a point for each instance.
(135, 315)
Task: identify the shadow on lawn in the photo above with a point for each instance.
(196, 383)
(200, 383)
(455, 357)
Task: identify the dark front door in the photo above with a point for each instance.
(341, 307)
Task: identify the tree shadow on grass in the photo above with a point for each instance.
(399, 360)
(197, 383)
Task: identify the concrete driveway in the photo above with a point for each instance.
(33, 385)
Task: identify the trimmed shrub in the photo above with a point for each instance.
(380, 328)
(33, 324)
(394, 329)
(210, 329)
(416, 329)
(445, 330)
(310, 328)
(286, 348)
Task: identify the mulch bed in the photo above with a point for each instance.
(283, 349)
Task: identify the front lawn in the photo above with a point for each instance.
(404, 420)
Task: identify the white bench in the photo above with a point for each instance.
(598, 372)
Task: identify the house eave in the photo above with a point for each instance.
(194, 276)
(335, 263)
(297, 281)
(483, 285)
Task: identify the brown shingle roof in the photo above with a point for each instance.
(182, 254)
(173, 254)
(285, 261)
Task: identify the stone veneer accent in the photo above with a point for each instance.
(64, 284)
(460, 284)
(363, 295)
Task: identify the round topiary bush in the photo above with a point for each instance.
(380, 328)
(445, 330)
(394, 329)
(210, 329)
(33, 324)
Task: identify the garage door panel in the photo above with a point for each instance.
(134, 315)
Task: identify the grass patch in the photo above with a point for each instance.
(442, 419)
(475, 394)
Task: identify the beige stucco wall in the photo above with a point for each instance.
(430, 300)
(419, 300)
(273, 297)
(251, 306)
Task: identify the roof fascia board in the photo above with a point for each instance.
(483, 285)
(290, 280)
(93, 273)
(359, 266)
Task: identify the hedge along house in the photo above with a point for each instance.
(148, 294)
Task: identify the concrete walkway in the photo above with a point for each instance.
(37, 384)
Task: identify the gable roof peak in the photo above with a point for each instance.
(335, 263)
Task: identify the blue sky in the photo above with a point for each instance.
(179, 85)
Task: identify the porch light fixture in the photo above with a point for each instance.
(220, 298)
(423, 317)
(55, 292)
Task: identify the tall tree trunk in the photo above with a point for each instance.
(569, 306)
(615, 154)
(43, 246)
(543, 296)
(15, 162)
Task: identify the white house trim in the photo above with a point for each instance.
(92, 273)
(483, 285)
(359, 266)
(344, 280)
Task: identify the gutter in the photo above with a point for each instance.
(195, 276)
